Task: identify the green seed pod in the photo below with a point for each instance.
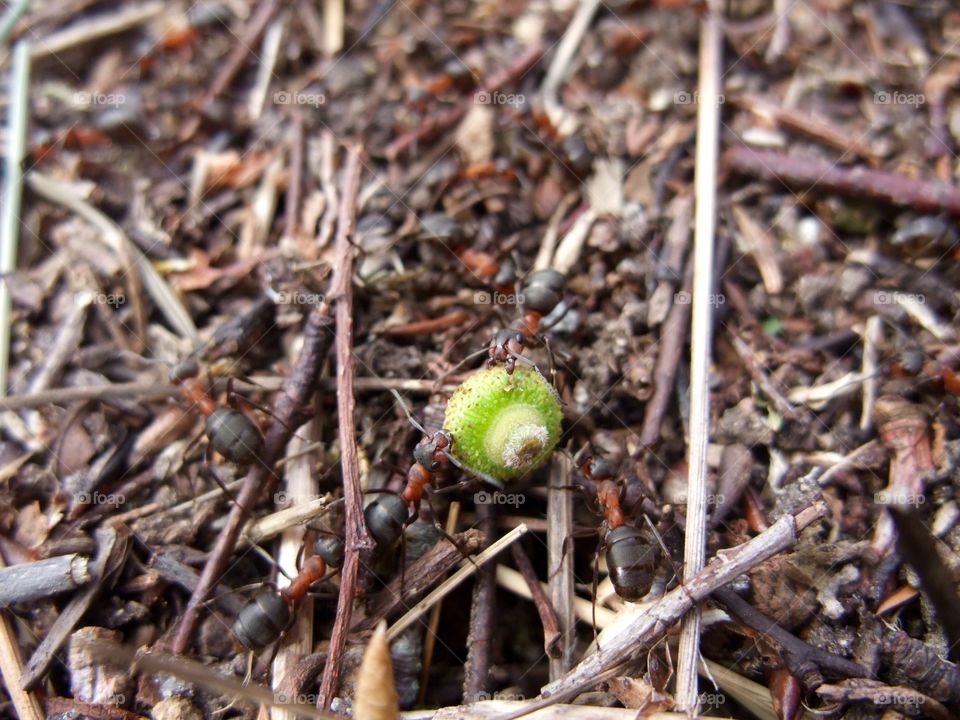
(503, 425)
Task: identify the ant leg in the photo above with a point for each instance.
(443, 531)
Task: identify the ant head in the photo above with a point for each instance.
(429, 451)
(330, 548)
(597, 469)
(184, 370)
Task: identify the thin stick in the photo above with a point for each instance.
(639, 626)
(287, 407)
(808, 174)
(11, 667)
(96, 28)
(302, 485)
(560, 563)
(566, 50)
(476, 669)
(430, 640)
(13, 193)
(583, 609)
(548, 616)
(695, 536)
(467, 569)
(43, 578)
(357, 538)
(10, 19)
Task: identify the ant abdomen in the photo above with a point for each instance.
(234, 435)
(262, 620)
(386, 517)
(543, 291)
(631, 561)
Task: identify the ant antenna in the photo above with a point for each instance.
(406, 411)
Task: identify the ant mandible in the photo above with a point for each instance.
(541, 293)
(231, 433)
(631, 556)
(263, 619)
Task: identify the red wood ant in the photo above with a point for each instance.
(630, 554)
(231, 433)
(263, 619)
(541, 293)
(389, 514)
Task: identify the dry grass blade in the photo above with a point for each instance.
(13, 193)
(376, 696)
(466, 570)
(163, 295)
(695, 538)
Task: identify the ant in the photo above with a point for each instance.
(231, 433)
(540, 295)
(263, 619)
(390, 512)
(631, 556)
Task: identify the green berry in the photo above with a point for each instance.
(503, 425)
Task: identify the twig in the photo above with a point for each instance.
(437, 124)
(802, 659)
(566, 50)
(808, 174)
(421, 575)
(231, 66)
(449, 585)
(13, 193)
(427, 327)
(638, 626)
(295, 183)
(783, 406)
(476, 669)
(159, 391)
(919, 548)
(433, 623)
(673, 335)
(116, 239)
(872, 337)
(301, 485)
(10, 19)
(95, 29)
(112, 546)
(548, 616)
(332, 27)
(701, 337)
(11, 668)
(583, 610)
(560, 563)
(287, 409)
(43, 578)
(357, 539)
